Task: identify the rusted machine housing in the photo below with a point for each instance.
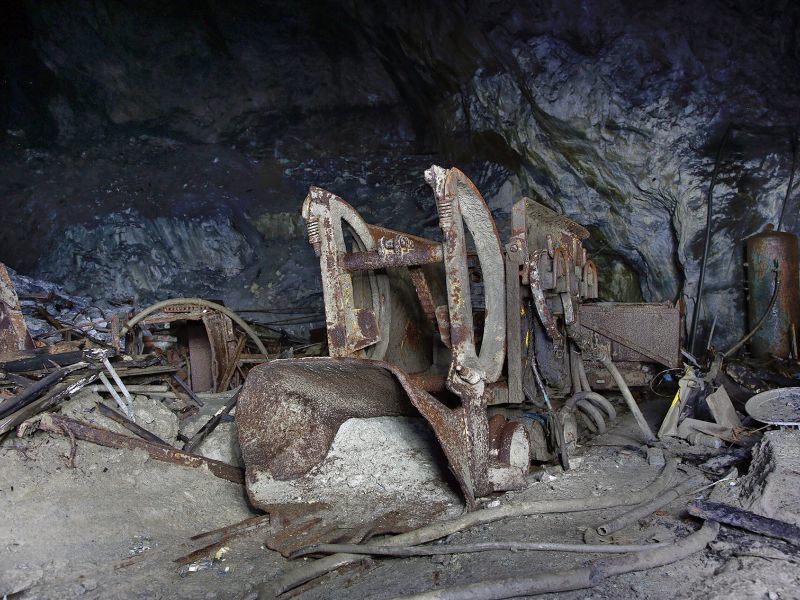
(404, 304)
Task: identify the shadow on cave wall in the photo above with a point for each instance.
(154, 149)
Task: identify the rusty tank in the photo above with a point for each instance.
(772, 260)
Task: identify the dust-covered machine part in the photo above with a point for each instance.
(501, 348)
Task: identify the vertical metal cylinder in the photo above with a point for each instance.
(764, 251)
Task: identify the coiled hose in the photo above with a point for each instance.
(593, 407)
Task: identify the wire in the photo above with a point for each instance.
(761, 321)
(793, 142)
(707, 244)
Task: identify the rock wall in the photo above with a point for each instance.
(151, 152)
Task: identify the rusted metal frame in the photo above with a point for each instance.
(540, 302)
(233, 361)
(590, 289)
(519, 236)
(465, 373)
(350, 329)
(650, 330)
(458, 203)
(222, 341)
(409, 257)
(424, 294)
(60, 424)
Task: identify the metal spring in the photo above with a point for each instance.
(312, 226)
(446, 212)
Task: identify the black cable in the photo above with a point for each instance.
(709, 208)
(793, 142)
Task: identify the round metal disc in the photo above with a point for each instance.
(776, 407)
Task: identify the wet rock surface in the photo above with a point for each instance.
(175, 163)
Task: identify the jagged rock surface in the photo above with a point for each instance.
(175, 163)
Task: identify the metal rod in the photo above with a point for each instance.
(109, 412)
(61, 425)
(104, 380)
(187, 389)
(121, 385)
(210, 425)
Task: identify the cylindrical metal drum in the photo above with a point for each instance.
(764, 251)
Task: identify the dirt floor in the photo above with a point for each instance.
(114, 525)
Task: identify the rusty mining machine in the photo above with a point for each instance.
(502, 349)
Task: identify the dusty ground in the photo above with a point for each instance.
(112, 527)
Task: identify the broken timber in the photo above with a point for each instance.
(51, 398)
(743, 519)
(83, 431)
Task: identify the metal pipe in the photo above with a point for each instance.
(629, 400)
(584, 379)
(591, 411)
(373, 260)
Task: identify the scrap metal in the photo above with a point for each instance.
(452, 330)
(59, 424)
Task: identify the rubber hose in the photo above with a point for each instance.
(648, 508)
(629, 400)
(434, 531)
(587, 422)
(584, 379)
(596, 399)
(579, 578)
(574, 370)
(440, 549)
(593, 413)
(602, 403)
(197, 302)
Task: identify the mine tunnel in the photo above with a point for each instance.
(346, 299)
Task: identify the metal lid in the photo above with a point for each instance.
(776, 407)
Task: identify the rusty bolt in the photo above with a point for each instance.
(471, 376)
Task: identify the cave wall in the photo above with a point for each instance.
(153, 150)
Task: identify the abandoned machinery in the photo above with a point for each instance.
(501, 348)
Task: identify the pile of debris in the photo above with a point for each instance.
(162, 380)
